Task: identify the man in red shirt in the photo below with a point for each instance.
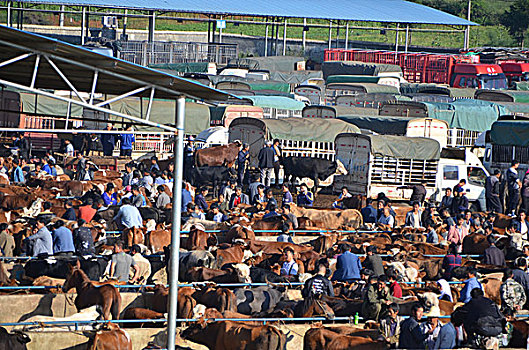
(394, 287)
(87, 211)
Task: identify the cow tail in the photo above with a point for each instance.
(116, 304)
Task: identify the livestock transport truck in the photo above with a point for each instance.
(389, 164)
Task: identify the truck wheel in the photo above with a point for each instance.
(475, 207)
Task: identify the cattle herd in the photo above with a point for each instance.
(235, 270)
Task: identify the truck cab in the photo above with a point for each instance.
(478, 76)
(515, 71)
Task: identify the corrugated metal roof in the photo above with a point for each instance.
(395, 11)
(15, 42)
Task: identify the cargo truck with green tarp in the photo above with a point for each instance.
(392, 164)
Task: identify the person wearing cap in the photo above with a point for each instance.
(373, 261)
(83, 240)
(413, 217)
(108, 141)
(493, 255)
(143, 265)
(319, 284)
(290, 267)
(348, 266)
(457, 233)
(390, 326)
(266, 163)
(305, 198)
(492, 192)
(163, 198)
(513, 187)
(242, 158)
(127, 140)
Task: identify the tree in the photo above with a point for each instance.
(516, 19)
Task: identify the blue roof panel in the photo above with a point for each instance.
(396, 11)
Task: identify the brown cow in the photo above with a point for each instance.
(110, 338)
(199, 239)
(220, 298)
(239, 231)
(158, 239)
(218, 155)
(348, 219)
(138, 313)
(231, 255)
(185, 303)
(475, 243)
(229, 335)
(321, 338)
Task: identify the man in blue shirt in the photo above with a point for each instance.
(45, 166)
(348, 266)
(109, 196)
(305, 197)
(287, 196)
(369, 213)
(186, 197)
(108, 141)
(62, 240)
(127, 140)
(41, 241)
(200, 199)
(18, 174)
(128, 216)
(447, 335)
(471, 283)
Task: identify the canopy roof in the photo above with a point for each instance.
(510, 133)
(300, 129)
(78, 65)
(393, 11)
(380, 125)
(278, 102)
(435, 89)
(357, 68)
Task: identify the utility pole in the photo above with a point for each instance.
(467, 31)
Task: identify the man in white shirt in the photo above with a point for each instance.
(290, 267)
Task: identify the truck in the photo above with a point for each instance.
(455, 70)
(507, 139)
(515, 71)
(392, 164)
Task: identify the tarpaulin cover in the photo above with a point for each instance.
(380, 125)
(510, 133)
(188, 67)
(254, 84)
(357, 68)
(48, 106)
(352, 79)
(278, 102)
(271, 64)
(403, 147)
(428, 88)
(503, 95)
(365, 87)
(163, 112)
(516, 108)
(300, 129)
(348, 110)
(297, 77)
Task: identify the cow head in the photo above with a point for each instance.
(243, 273)
(340, 168)
(429, 300)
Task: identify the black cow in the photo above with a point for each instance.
(260, 275)
(314, 168)
(257, 300)
(210, 175)
(13, 341)
(58, 268)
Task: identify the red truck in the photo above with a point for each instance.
(515, 71)
(456, 70)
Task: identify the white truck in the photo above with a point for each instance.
(387, 163)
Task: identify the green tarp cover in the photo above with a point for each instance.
(254, 84)
(348, 110)
(428, 88)
(357, 68)
(301, 129)
(510, 133)
(503, 95)
(380, 125)
(271, 64)
(352, 79)
(473, 115)
(521, 85)
(189, 67)
(369, 88)
(48, 106)
(278, 102)
(297, 77)
(163, 112)
(516, 108)
(403, 147)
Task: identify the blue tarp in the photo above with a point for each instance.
(393, 11)
(278, 102)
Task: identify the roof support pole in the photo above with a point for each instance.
(127, 94)
(68, 112)
(61, 17)
(83, 24)
(35, 71)
(346, 35)
(330, 32)
(396, 43)
(61, 74)
(94, 84)
(220, 33)
(285, 38)
(176, 218)
(266, 39)
(149, 106)
(9, 14)
(124, 33)
(304, 33)
(406, 43)
(467, 30)
(16, 59)
(152, 24)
